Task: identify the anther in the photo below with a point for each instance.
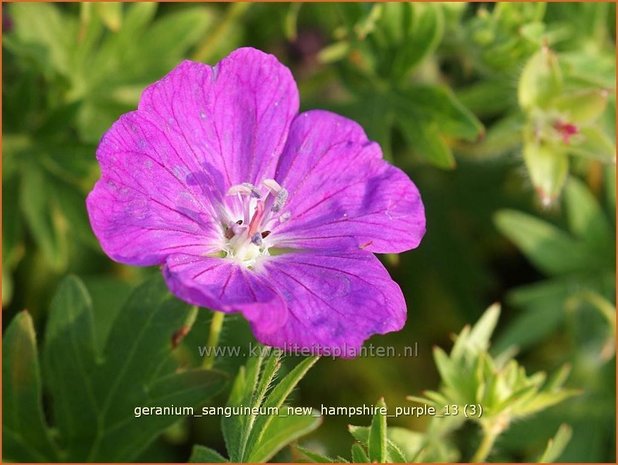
(265, 234)
(257, 239)
(280, 200)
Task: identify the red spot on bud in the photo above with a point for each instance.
(566, 130)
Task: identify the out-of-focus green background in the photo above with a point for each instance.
(454, 96)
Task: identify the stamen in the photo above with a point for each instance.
(272, 185)
(260, 207)
(257, 239)
(246, 188)
(282, 197)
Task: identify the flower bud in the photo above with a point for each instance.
(548, 166)
(540, 81)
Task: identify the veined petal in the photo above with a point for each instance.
(342, 194)
(197, 131)
(142, 209)
(232, 118)
(335, 301)
(222, 285)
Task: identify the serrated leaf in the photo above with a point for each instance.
(203, 454)
(281, 431)
(98, 400)
(25, 435)
(556, 445)
(134, 373)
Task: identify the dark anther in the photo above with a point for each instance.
(239, 222)
(228, 233)
(265, 234)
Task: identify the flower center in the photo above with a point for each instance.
(248, 218)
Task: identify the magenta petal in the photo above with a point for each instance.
(197, 131)
(335, 301)
(232, 119)
(342, 193)
(142, 209)
(222, 285)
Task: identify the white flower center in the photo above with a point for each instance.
(248, 219)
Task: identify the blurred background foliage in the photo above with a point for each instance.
(503, 115)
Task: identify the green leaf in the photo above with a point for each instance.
(276, 398)
(25, 434)
(98, 400)
(69, 356)
(376, 446)
(550, 249)
(395, 443)
(111, 14)
(425, 140)
(594, 144)
(586, 217)
(359, 455)
(136, 372)
(232, 428)
(540, 81)
(314, 456)
(203, 454)
(46, 34)
(548, 166)
(281, 431)
(405, 34)
(480, 335)
(556, 445)
(442, 108)
(404, 445)
(45, 221)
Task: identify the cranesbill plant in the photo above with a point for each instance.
(251, 207)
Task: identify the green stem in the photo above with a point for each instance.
(489, 437)
(213, 338)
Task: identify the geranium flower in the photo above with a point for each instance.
(251, 207)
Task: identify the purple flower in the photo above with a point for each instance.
(252, 207)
